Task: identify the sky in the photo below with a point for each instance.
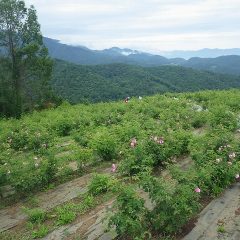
(146, 25)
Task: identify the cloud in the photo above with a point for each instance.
(146, 25)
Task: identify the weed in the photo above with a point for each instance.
(42, 231)
(35, 215)
(221, 229)
(66, 214)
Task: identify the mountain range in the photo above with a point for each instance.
(85, 56)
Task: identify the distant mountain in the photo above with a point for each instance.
(75, 54)
(79, 83)
(84, 56)
(223, 64)
(203, 53)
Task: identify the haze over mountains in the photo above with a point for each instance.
(229, 64)
(202, 53)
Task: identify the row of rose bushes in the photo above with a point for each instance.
(104, 133)
(178, 198)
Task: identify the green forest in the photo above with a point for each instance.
(78, 83)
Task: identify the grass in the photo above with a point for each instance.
(221, 229)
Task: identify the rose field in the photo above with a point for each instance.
(141, 169)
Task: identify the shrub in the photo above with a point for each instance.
(87, 203)
(29, 137)
(101, 183)
(63, 126)
(222, 116)
(35, 215)
(66, 214)
(157, 152)
(42, 231)
(136, 161)
(199, 119)
(105, 146)
(84, 157)
(129, 219)
(205, 148)
(173, 209)
(81, 139)
(32, 177)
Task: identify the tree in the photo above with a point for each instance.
(24, 56)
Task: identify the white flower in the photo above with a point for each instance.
(218, 160)
(232, 155)
(36, 164)
(35, 158)
(8, 172)
(44, 145)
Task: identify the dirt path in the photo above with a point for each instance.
(222, 214)
(89, 226)
(185, 163)
(13, 215)
(93, 225)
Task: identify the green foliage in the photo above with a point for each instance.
(26, 63)
(117, 81)
(28, 137)
(65, 214)
(174, 204)
(221, 229)
(87, 203)
(200, 119)
(130, 219)
(42, 231)
(101, 183)
(81, 139)
(35, 215)
(105, 146)
(28, 174)
(63, 127)
(223, 117)
(136, 161)
(88, 134)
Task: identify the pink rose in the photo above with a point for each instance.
(113, 168)
(197, 190)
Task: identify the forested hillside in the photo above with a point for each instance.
(223, 64)
(78, 83)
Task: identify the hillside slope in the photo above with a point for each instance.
(223, 64)
(79, 83)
